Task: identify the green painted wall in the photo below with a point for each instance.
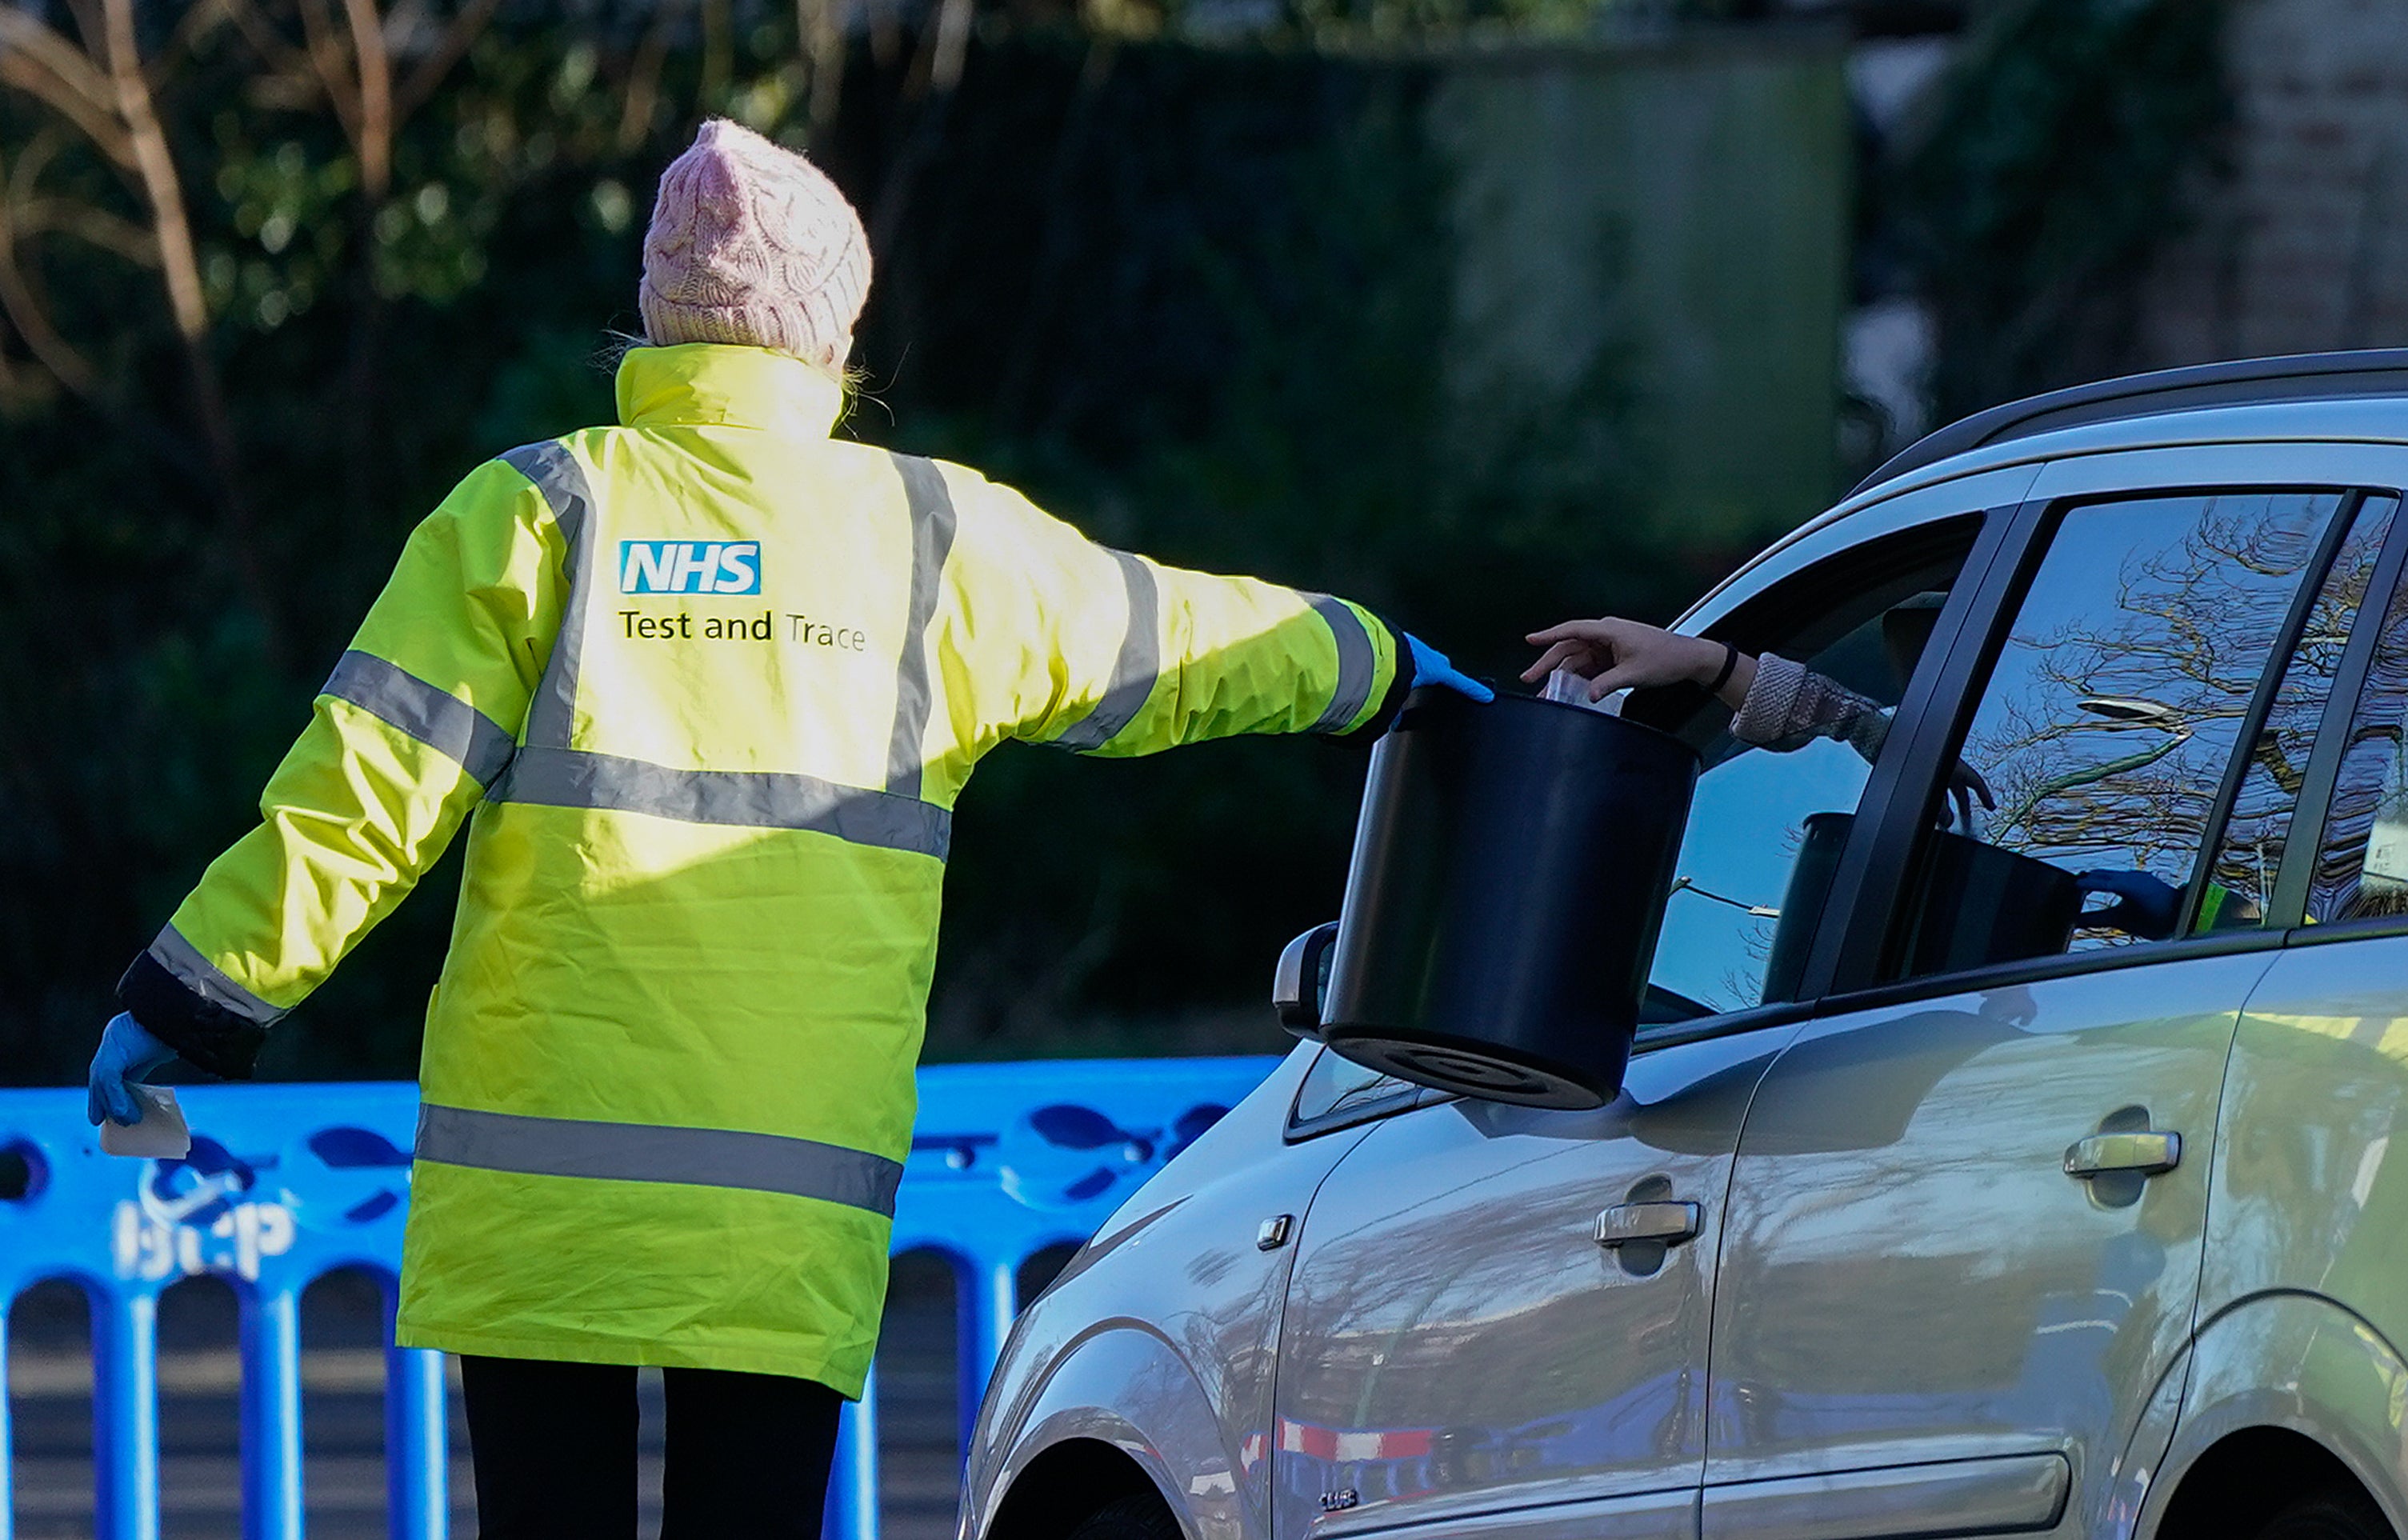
(1651, 273)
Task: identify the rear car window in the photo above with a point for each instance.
(2104, 730)
(2361, 871)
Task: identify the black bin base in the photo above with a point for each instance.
(1473, 1068)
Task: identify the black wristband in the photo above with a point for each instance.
(1722, 676)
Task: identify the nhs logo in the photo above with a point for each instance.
(689, 567)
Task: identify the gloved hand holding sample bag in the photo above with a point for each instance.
(127, 1052)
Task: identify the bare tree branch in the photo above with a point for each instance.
(92, 226)
(281, 57)
(24, 308)
(448, 50)
(202, 18)
(374, 141)
(39, 61)
(325, 55)
(820, 29)
(644, 76)
(178, 261)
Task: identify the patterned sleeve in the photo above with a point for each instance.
(1790, 705)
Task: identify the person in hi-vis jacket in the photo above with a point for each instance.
(704, 687)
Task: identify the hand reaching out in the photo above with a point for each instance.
(1623, 655)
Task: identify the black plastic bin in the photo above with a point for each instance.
(1510, 870)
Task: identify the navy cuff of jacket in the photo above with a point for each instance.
(204, 1033)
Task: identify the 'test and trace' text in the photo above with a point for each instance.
(761, 627)
(715, 568)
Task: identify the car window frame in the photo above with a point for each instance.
(1791, 602)
(1877, 911)
(1739, 603)
(1995, 496)
(1404, 1098)
(2306, 812)
(2322, 776)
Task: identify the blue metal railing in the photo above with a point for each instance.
(285, 1184)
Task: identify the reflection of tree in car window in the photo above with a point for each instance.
(2361, 871)
(2119, 695)
(2257, 828)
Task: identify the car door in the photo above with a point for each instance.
(2302, 1307)
(1496, 1319)
(1965, 1220)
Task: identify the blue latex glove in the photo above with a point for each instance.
(127, 1052)
(2146, 906)
(1430, 666)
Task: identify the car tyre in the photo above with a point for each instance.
(1143, 1517)
(2327, 1516)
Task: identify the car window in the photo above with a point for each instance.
(1337, 1093)
(2100, 738)
(2240, 890)
(2361, 870)
(1767, 823)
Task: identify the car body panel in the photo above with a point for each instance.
(2305, 1289)
(2315, 464)
(2298, 1362)
(2133, 1480)
(1910, 1276)
(2010, 1494)
(1460, 1344)
(2359, 420)
(1123, 1385)
(1107, 1352)
(2311, 1176)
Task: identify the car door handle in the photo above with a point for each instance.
(2146, 1151)
(1669, 1222)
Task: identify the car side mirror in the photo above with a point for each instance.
(1300, 979)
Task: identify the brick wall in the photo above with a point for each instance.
(2300, 242)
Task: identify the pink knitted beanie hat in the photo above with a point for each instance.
(752, 244)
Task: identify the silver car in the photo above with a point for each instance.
(1905, 1222)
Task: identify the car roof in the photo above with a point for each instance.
(2132, 397)
(2137, 398)
(2359, 395)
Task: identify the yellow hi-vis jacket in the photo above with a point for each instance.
(705, 687)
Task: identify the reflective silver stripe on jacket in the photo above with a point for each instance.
(1136, 669)
(436, 717)
(171, 951)
(548, 772)
(562, 480)
(933, 520)
(861, 815)
(649, 1152)
(1358, 662)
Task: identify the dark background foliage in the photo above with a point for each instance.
(1188, 298)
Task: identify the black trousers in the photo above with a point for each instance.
(556, 1450)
